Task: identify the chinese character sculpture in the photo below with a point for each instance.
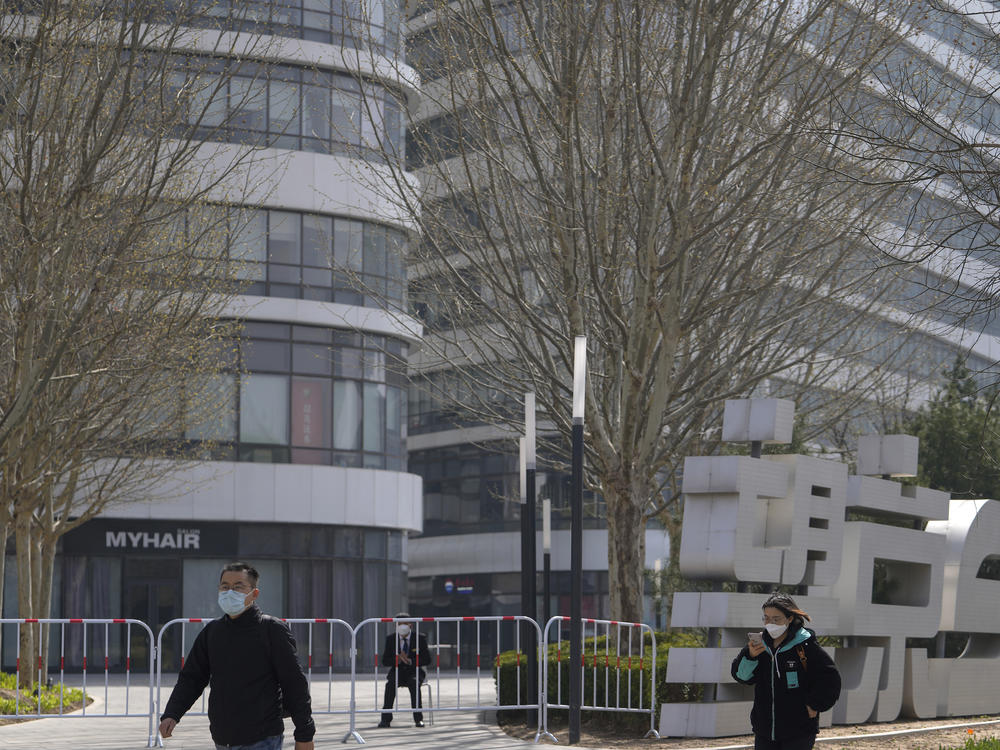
(780, 520)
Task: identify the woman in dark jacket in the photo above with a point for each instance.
(793, 677)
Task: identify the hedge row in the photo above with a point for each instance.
(607, 671)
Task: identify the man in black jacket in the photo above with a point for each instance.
(405, 653)
(248, 659)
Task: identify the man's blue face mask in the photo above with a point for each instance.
(232, 602)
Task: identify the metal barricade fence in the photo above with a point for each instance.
(306, 649)
(476, 637)
(113, 653)
(623, 649)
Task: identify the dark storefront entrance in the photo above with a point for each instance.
(151, 592)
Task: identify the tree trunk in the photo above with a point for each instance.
(626, 555)
(4, 530)
(25, 601)
(46, 556)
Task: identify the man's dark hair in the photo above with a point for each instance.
(242, 567)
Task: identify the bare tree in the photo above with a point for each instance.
(114, 280)
(647, 174)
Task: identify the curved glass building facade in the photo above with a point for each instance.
(307, 476)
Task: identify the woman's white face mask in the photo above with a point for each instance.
(775, 631)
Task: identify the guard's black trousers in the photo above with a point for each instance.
(390, 698)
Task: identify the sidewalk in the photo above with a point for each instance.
(450, 729)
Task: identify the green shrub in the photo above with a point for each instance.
(987, 743)
(26, 700)
(607, 673)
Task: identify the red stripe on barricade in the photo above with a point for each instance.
(128, 663)
(630, 663)
(331, 660)
(478, 665)
(62, 662)
(498, 661)
(606, 664)
(595, 659)
(507, 617)
(194, 619)
(468, 619)
(105, 663)
(310, 666)
(583, 660)
(427, 619)
(397, 660)
(76, 620)
(118, 620)
(618, 662)
(558, 655)
(458, 658)
(387, 619)
(614, 622)
(31, 619)
(589, 620)
(17, 665)
(182, 662)
(439, 660)
(322, 619)
(85, 664)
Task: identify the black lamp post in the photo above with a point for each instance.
(530, 561)
(576, 542)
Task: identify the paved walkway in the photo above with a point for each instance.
(450, 729)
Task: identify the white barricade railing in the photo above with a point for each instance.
(495, 633)
(111, 657)
(623, 649)
(306, 648)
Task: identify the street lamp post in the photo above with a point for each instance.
(576, 542)
(530, 561)
(547, 561)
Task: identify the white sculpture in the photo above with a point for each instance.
(780, 520)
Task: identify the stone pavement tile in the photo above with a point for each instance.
(456, 730)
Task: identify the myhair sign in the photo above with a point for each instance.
(780, 520)
(144, 537)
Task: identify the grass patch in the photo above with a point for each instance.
(987, 743)
(27, 701)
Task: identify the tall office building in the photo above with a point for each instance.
(308, 479)
(467, 559)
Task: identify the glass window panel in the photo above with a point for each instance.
(311, 413)
(320, 277)
(214, 410)
(394, 421)
(248, 103)
(347, 363)
(256, 329)
(346, 415)
(373, 123)
(317, 232)
(374, 362)
(284, 274)
(208, 100)
(345, 117)
(283, 113)
(264, 409)
(316, 119)
(312, 333)
(375, 544)
(375, 261)
(374, 419)
(265, 355)
(315, 359)
(248, 235)
(284, 239)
